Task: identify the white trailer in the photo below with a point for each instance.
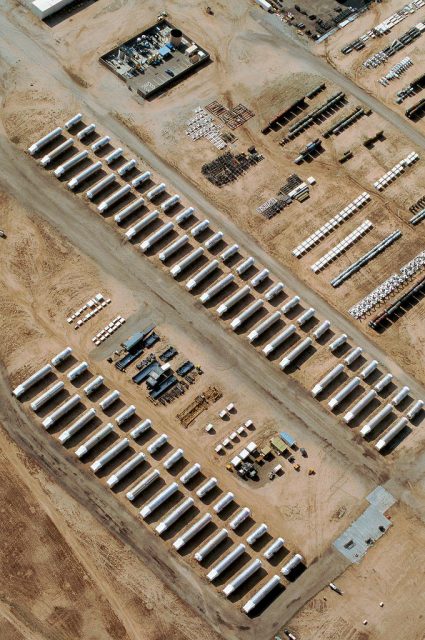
(400, 395)
(376, 419)
(192, 531)
(126, 167)
(306, 316)
(216, 288)
(61, 411)
(142, 485)
(327, 379)
(338, 342)
(32, 380)
(211, 545)
(229, 252)
(114, 197)
(240, 517)
(202, 274)
(190, 473)
(158, 443)
(172, 248)
(156, 236)
(109, 399)
(159, 499)
(292, 564)
(291, 304)
(223, 502)
(353, 356)
(213, 240)
(185, 215)
(321, 329)
(280, 338)
(272, 549)
(97, 437)
(415, 409)
(125, 415)
(141, 224)
(175, 515)
(345, 391)
(199, 228)
(61, 356)
(206, 487)
(101, 142)
(73, 121)
(234, 299)
(110, 454)
(77, 425)
(142, 427)
(156, 191)
(256, 598)
(83, 175)
(170, 202)
(186, 261)
(99, 186)
(57, 151)
(44, 140)
(86, 131)
(295, 353)
(47, 395)
(114, 155)
(245, 265)
(383, 382)
(360, 405)
(76, 159)
(274, 290)
(391, 433)
(368, 369)
(228, 560)
(247, 313)
(173, 459)
(77, 371)
(143, 177)
(264, 325)
(129, 209)
(242, 577)
(259, 277)
(257, 534)
(126, 468)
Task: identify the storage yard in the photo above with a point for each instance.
(212, 377)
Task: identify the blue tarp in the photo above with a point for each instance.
(287, 438)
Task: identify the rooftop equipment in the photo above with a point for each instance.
(97, 437)
(368, 369)
(261, 594)
(229, 252)
(190, 473)
(158, 443)
(125, 415)
(415, 409)
(192, 531)
(216, 288)
(159, 499)
(56, 152)
(184, 215)
(140, 179)
(109, 455)
(83, 175)
(321, 329)
(353, 356)
(240, 517)
(202, 274)
(86, 131)
(213, 240)
(338, 342)
(274, 291)
(186, 261)
(206, 487)
(259, 277)
(295, 353)
(77, 371)
(360, 405)
(142, 427)
(327, 379)
(126, 469)
(126, 167)
(129, 209)
(291, 304)
(257, 534)
(142, 485)
(264, 325)
(45, 140)
(247, 313)
(47, 395)
(280, 338)
(383, 382)
(109, 399)
(61, 411)
(400, 395)
(173, 459)
(272, 549)
(114, 197)
(345, 391)
(114, 155)
(170, 202)
(391, 434)
(61, 356)
(373, 422)
(292, 564)
(245, 265)
(156, 191)
(172, 517)
(77, 425)
(101, 142)
(173, 247)
(223, 564)
(242, 577)
(73, 121)
(78, 157)
(211, 545)
(223, 502)
(236, 297)
(199, 228)
(141, 224)
(102, 184)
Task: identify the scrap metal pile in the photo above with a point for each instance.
(229, 167)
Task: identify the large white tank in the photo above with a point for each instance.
(61, 356)
(114, 155)
(110, 454)
(202, 274)
(99, 186)
(77, 425)
(211, 545)
(114, 197)
(83, 175)
(383, 382)
(57, 151)
(93, 385)
(156, 191)
(261, 594)
(199, 228)
(272, 549)
(185, 215)
(223, 502)
(86, 131)
(109, 399)
(129, 209)
(125, 415)
(186, 261)
(295, 353)
(291, 304)
(360, 405)
(142, 485)
(274, 290)
(170, 202)
(77, 371)
(234, 299)
(327, 379)
(229, 252)
(158, 443)
(415, 409)
(159, 499)
(245, 265)
(216, 288)
(172, 517)
(225, 563)
(240, 517)
(400, 395)
(192, 531)
(61, 411)
(368, 369)
(173, 459)
(97, 437)
(142, 427)
(47, 395)
(190, 473)
(345, 391)
(141, 224)
(376, 419)
(172, 248)
(143, 177)
(213, 240)
(321, 329)
(73, 121)
(126, 167)
(77, 158)
(206, 487)
(280, 338)
(29, 382)
(257, 534)
(242, 577)
(259, 277)
(391, 433)
(125, 469)
(101, 142)
(156, 236)
(44, 140)
(246, 313)
(292, 564)
(264, 325)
